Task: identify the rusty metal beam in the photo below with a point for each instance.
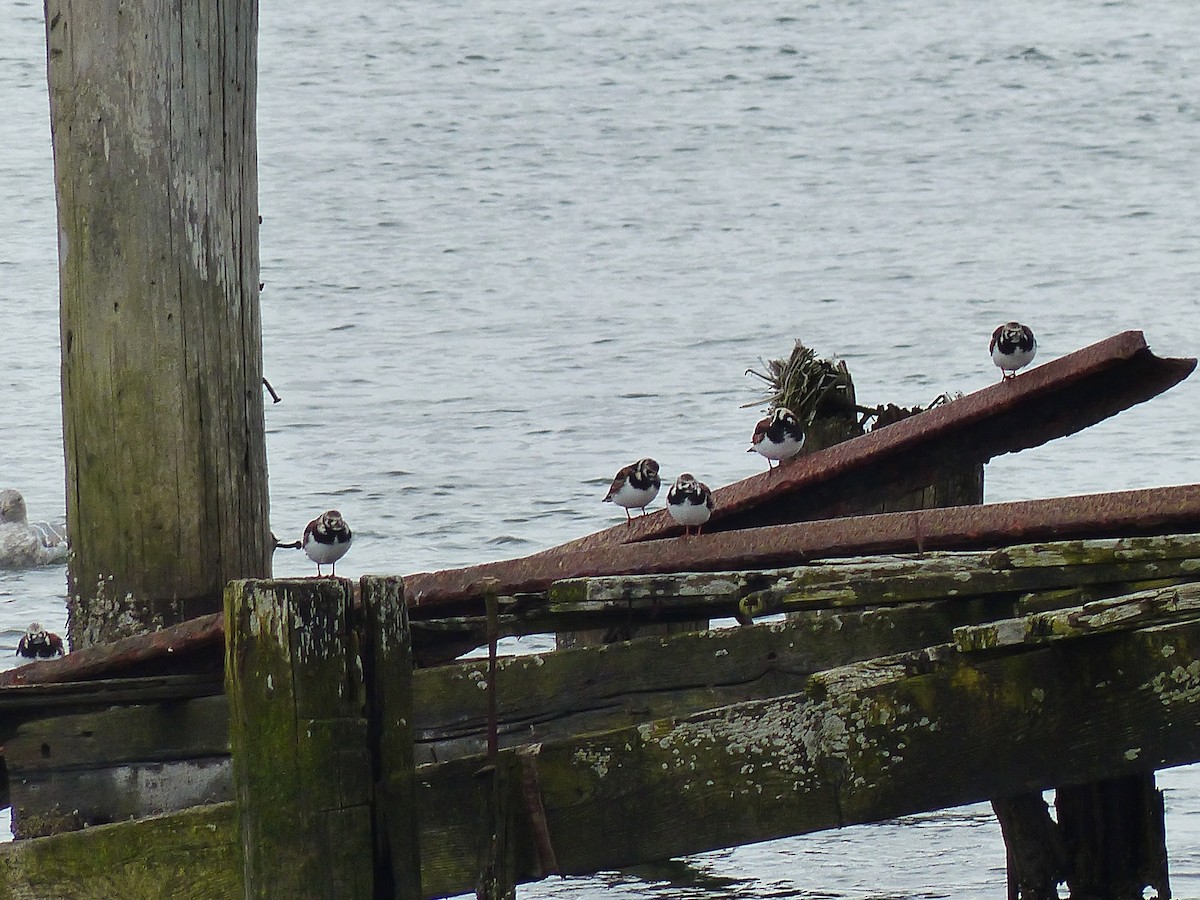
(186, 647)
(1126, 513)
(1051, 401)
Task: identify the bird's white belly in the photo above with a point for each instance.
(690, 513)
(634, 498)
(325, 553)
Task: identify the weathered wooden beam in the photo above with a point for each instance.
(1035, 857)
(1044, 575)
(861, 743)
(547, 696)
(1140, 609)
(302, 774)
(42, 700)
(74, 771)
(153, 124)
(190, 855)
(1114, 834)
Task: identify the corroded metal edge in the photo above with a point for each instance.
(178, 641)
(1125, 513)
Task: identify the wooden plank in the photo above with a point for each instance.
(74, 771)
(862, 743)
(1098, 567)
(53, 801)
(188, 855)
(41, 699)
(1114, 614)
(546, 696)
(302, 774)
(157, 733)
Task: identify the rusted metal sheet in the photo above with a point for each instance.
(1126, 513)
(185, 647)
(1059, 398)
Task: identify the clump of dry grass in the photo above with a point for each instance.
(806, 385)
(823, 388)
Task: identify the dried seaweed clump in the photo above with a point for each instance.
(887, 413)
(808, 386)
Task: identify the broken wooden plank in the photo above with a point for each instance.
(1135, 610)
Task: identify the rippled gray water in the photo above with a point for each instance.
(509, 247)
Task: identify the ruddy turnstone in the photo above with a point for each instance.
(326, 540)
(1013, 346)
(635, 486)
(689, 502)
(38, 643)
(778, 436)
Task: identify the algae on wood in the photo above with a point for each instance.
(153, 120)
(188, 855)
(302, 772)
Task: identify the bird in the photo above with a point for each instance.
(24, 543)
(635, 486)
(326, 540)
(689, 502)
(1013, 347)
(778, 436)
(38, 643)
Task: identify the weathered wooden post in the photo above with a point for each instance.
(321, 738)
(153, 119)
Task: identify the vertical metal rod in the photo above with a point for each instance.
(493, 627)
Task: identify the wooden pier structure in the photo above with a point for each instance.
(322, 738)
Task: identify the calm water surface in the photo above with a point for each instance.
(509, 247)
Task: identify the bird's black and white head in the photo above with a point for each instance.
(647, 466)
(1012, 337)
(331, 523)
(1013, 347)
(645, 472)
(12, 507)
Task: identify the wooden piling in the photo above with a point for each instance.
(152, 112)
(388, 673)
(1114, 833)
(302, 771)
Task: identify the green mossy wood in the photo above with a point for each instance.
(302, 772)
(153, 119)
